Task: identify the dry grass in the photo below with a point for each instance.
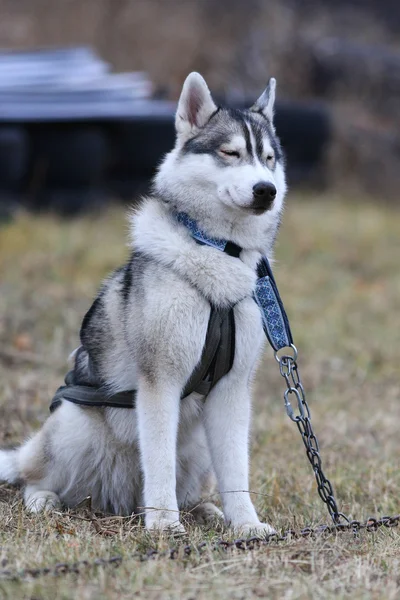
(337, 267)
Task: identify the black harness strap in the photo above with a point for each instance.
(223, 361)
(88, 395)
(202, 380)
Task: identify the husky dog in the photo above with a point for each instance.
(147, 328)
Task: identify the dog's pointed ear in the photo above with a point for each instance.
(195, 107)
(265, 103)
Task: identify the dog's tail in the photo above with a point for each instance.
(9, 466)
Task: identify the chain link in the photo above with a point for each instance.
(175, 552)
(59, 569)
(295, 393)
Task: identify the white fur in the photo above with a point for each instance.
(8, 466)
(157, 233)
(156, 458)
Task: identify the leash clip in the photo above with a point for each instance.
(281, 358)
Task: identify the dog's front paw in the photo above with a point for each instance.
(261, 530)
(165, 525)
(240, 282)
(225, 280)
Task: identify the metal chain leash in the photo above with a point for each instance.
(59, 569)
(186, 550)
(295, 392)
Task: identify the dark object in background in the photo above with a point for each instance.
(67, 165)
(355, 70)
(72, 132)
(137, 146)
(14, 152)
(385, 12)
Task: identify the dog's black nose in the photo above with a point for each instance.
(264, 194)
(264, 190)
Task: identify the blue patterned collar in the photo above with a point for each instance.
(266, 295)
(198, 234)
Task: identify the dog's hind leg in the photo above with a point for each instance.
(38, 500)
(33, 470)
(206, 513)
(195, 477)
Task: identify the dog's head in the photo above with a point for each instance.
(227, 164)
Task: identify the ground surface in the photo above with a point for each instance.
(339, 274)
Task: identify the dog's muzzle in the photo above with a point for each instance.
(264, 194)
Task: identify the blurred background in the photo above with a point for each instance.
(88, 91)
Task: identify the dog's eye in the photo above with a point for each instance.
(270, 157)
(234, 153)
